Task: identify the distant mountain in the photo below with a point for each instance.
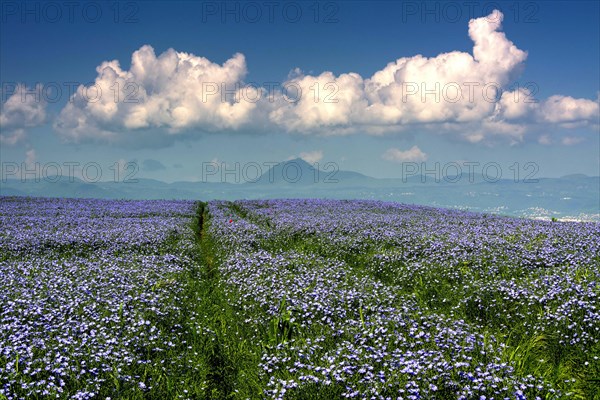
(575, 176)
(573, 196)
(299, 172)
(292, 172)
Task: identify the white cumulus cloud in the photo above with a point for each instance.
(414, 154)
(174, 91)
(312, 157)
(30, 157)
(559, 109)
(571, 140)
(451, 87)
(25, 108)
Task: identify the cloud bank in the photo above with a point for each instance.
(459, 93)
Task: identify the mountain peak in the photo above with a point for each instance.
(300, 161)
(294, 171)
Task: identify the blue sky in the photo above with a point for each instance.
(344, 49)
